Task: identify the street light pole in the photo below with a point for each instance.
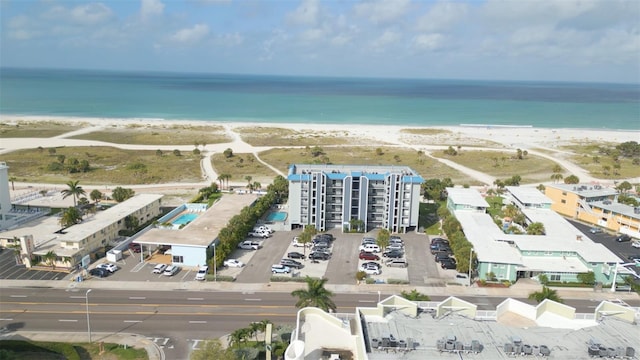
(215, 263)
(470, 262)
(86, 297)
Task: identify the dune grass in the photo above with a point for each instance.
(156, 134)
(589, 157)
(428, 168)
(425, 131)
(502, 164)
(241, 165)
(108, 166)
(275, 136)
(36, 129)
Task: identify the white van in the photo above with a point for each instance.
(170, 270)
(370, 248)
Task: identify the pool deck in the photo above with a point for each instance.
(202, 231)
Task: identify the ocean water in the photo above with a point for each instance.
(268, 99)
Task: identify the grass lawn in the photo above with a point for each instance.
(156, 134)
(273, 136)
(500, 164)
(428, 218)
(41, 350)
(108, 166)
(241, 165)
(281, 158)
(589, 158)
(36, 129)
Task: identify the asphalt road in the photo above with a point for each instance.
(177, 320)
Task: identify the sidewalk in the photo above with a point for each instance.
(131, 340)
(519, 290)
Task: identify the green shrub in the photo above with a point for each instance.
(397, 281)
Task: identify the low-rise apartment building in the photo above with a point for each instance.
(595, 204)
(333, 196)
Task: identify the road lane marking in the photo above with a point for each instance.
(252, 299)
(194, 299)
(137, 297)
(67, 320)
(133, 321)
(76, 297)
(7, 319)
(18, 296)
(366, 301)
(197, 322)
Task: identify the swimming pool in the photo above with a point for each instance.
(277, 216)
(184, 218)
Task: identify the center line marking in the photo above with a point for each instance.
(18, 296)
(133, 321)
(137, 297)
(69, 320)
(195, 299)
(197, 322)
(252, 299)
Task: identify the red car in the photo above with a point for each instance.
(368, 256)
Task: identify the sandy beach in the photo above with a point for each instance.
(544, 142)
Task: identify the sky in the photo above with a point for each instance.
(549, 40)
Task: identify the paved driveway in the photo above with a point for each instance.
(10, 271)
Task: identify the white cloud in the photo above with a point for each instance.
(387, 37)
(382, 11)
(306, 14)
(441, 16)
(231, 39)
(428, 41)
(191, 35)
(91, 14)
(150, 9)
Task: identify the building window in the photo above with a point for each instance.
(554, 277)
(564, 193)
(178, 259)
(563, 201)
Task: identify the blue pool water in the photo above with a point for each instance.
(277, 216)
(184, 218)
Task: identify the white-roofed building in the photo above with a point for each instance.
(561, 253)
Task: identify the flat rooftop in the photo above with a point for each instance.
(425, 330)
(585, 190)
(202, 231)
(528, 196)
(471, 197)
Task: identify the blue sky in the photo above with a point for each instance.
(564, 40)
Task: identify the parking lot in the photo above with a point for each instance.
(10, 271)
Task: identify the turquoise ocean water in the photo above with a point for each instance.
(268, 99)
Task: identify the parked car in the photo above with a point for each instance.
(202, 273)
(263, 228)
(441, 248)
(401, 263)
(259, 234)
(136, 248)
(369, 264)
(392, 247)
(634, 257)
(368, 256)
(325, 236)
(109, 267)
(170, 270)
(247, 245)
(372, 270)
(368, 241)
(98, 272)
(623, 238)
(448, 264)
(291, 263)
(233, 263)
(295, 255)
(393, 254)
(370, 248)
(297, 243)
(397, 241)
(280, 269)
(440, 256)
(439, 240)
(636, 244)
(159, 269)
(319, 255)
(595, 230)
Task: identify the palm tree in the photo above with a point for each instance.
(74, 190)
(50, 259)
(70, 217)
(12, 179)
(544, 294)
(536, 228)
(383, 238)
(315, 295)
(221, 180)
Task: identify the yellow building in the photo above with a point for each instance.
(596, 205)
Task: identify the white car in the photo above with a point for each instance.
(636, 244)
(109, 267)
(370, 248)
(170, 270)
(202, 273)
(259, 234)
(297, 243)
(395, 247)
(233, 263)
(263, 228)
(372, 270)
(280, 269)
(248, 245)
(159, 269)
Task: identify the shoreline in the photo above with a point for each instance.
(149, 121)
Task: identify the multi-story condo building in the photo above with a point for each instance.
(595, 204)
(334, 196)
